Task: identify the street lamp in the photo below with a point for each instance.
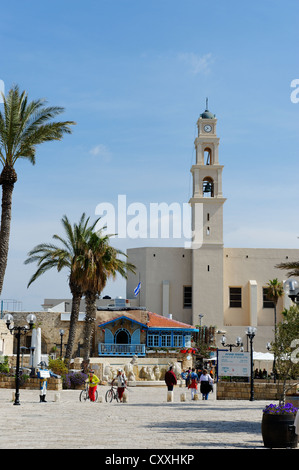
(18, 331)
(230, 346)
(291, 289)
(251, 334)
(61, 332)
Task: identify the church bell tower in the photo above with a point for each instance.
(207, 224)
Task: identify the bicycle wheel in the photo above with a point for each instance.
(109, 396)
(96, 395)
(116, 396)
(84, 395)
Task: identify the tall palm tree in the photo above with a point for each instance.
(23, 126)
(274, 292)
(100, 262)
(48, 256)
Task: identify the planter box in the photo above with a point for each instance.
(278, 431)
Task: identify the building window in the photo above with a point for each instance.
(187, 296)
(188, 341)
(153, 341)
(178, 341)
(235, 297)
(266, 302)
(165, 341)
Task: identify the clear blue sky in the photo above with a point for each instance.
(134, 75)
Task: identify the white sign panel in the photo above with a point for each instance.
(234, 364)
(44, 374)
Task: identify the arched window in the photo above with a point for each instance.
(208, 156)
(122, 336)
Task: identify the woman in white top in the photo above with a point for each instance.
(121, 383)
(206, 382)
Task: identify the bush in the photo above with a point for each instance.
(4, 367)
(74, 379)
(23, 378)
(58, 367)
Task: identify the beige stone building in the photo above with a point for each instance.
(209, 284)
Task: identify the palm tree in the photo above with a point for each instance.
(274, 292)
(48, 256)
(99, 263)
(291, 266)
(23, 126)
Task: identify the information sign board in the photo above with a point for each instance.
(235, 364)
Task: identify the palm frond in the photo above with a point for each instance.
(24, 125)
(291, 266)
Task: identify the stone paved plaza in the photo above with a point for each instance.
(146, 421)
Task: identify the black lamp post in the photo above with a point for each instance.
(61, 332)
(230, 346)
(251, 334)
(18, 331)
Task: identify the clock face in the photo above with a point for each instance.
(207, 128)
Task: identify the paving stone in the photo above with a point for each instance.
(146, 421)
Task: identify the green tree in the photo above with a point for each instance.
(66, 255)
(99, 262)
(286, 350)
(274, 292)
(23, 126)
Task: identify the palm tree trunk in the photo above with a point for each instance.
(90, 316)
(8, 178)
(73, 324)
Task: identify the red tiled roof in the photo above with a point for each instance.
(158, 321)
(149, 319)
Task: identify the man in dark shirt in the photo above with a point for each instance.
(170, 379)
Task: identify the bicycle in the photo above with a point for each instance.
(111, 394)
(84, 395)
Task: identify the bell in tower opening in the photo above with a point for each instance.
(208, 187)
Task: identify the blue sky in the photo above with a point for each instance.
(134, 75)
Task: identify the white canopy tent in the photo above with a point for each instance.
(259, 356)
(263, 361)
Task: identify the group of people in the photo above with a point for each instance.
(190, 376)
(203, 379)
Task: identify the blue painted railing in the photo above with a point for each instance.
(107, 349)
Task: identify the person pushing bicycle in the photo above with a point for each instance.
(121, 383)
(93, 381)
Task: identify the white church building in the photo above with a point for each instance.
(209, 284)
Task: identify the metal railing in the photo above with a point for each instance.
(107, 349)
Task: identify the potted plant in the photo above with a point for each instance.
(278, 430)
(278, 420)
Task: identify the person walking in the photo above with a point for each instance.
(206, 384)
(188, 377)
(193, 383)
(121, 383)
(170, 379)
(93, 381)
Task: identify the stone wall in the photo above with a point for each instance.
(31, 383)
(50, 323)
(241, 391)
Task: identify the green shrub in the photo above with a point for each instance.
(58, 366)
(4, 367)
